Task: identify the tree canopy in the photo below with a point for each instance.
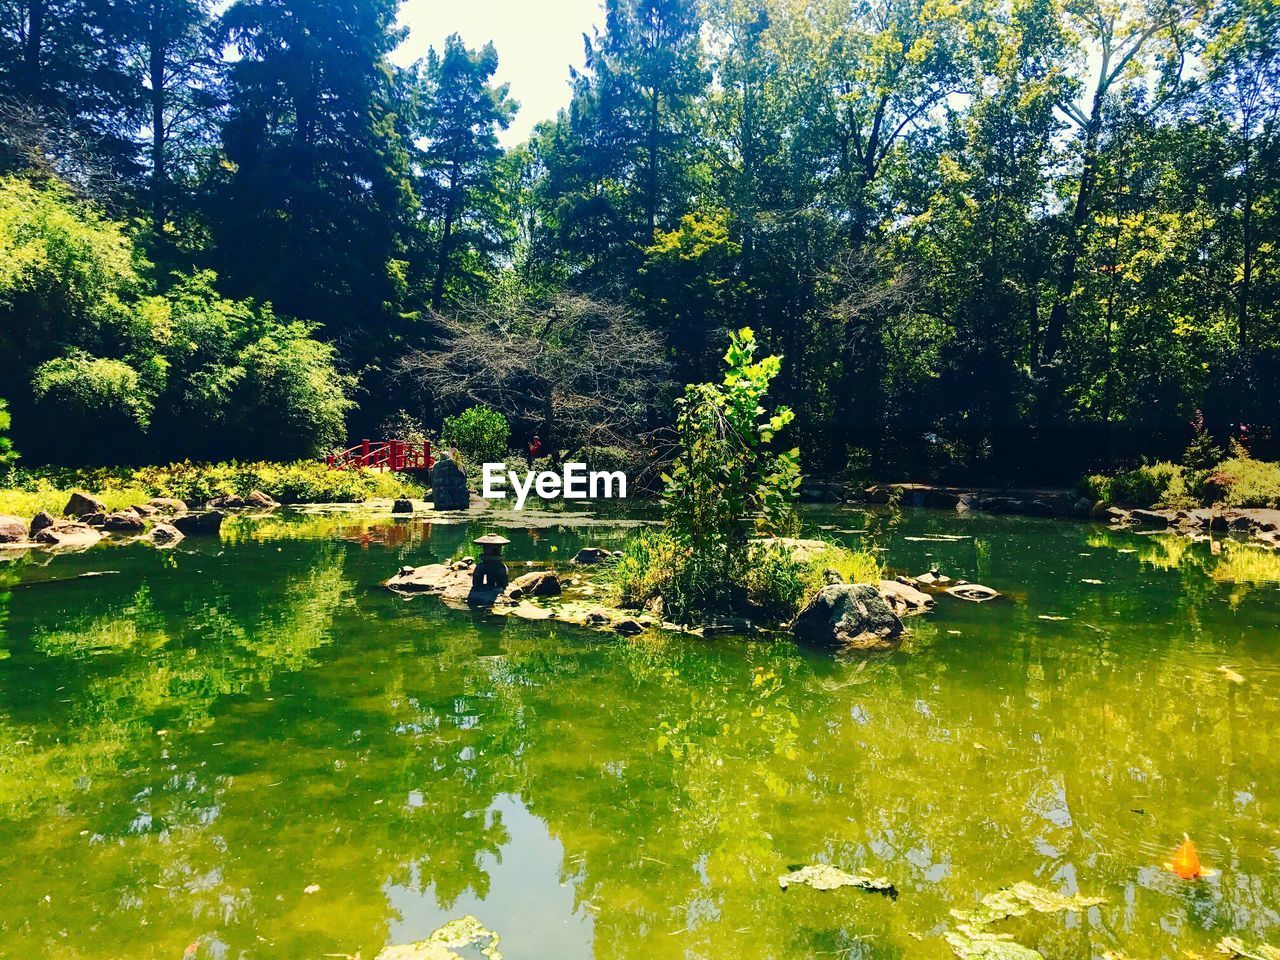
(1024, 237)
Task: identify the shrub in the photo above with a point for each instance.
(1160, 484)
(301, 482)
(781, 578)
(650, 567)
(1096, 486)
(480, 433)
(1244, 482)
(7, 455)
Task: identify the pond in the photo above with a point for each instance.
(247, 748)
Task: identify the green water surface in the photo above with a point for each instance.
(249, 747)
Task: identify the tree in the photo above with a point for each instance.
(175, 67)
(1122, 33)
(725, 474)
(309, 214)
(460, 164)
(577, 371)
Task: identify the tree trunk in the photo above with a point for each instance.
(1075, 237)
(446, 239)
(651, 187)
(159, 169)
(31, 79)
(1246, 275)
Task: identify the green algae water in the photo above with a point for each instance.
(247, 748)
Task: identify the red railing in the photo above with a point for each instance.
(383, 455)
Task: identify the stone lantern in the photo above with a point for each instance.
(490, 572)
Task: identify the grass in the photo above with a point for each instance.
(777, 581)
(26, 492)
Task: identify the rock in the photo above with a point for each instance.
(67, 533)
(228, 501)
(972, 591)
(208, 522)
(542, 583)
(628, 627)
(94, 519)
(39, 522)
(145, 510)
(1219, 522)
(1149, 518)
(463, 563)
(848, 615)
(1241, 524)
(263, 501)
(591, 555)
(124, 522)
(83, 503)
(905, 599)
(402, 506)
(933, 578)
(449, 486)
(164, 535)
(168, 505)
(12, 529)
(1115, 515)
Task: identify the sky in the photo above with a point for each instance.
(537, 42)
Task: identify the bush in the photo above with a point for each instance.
(29, 492)
(780, 578)
(480, 433)
(1160, 484)
(1244, 482)
(7, 456)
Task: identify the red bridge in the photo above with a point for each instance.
(398, 455)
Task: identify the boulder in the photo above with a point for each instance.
(402, 506)
(39, 522)
(263, 501)
(164, 535)
(81, 504)
(542, 583)
(628, 627)
(449, 486)
(879, 495)
(1115, 515)
(588, 556)
(1149, 518)
(12, 529)
(933, 578)
(67, 533)
(905, 599)
(208, 522)
(850, 616)
(228, 501)
(94, 519)
(124, 522)
(145, 510)
(168, 505)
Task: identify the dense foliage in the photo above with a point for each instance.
(480, 433)
(24, 492)
(1025, 238)
(115, 369)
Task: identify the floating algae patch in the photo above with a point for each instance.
(972, 941)
(444, 943)
(823, 876)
